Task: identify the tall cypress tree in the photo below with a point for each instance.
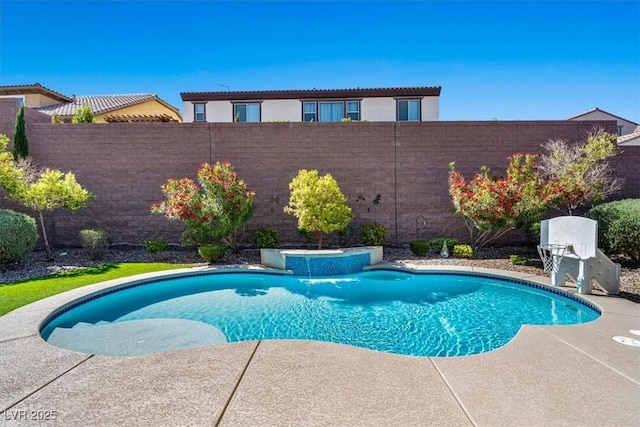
(20, 146)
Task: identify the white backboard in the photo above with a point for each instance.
(578, 231)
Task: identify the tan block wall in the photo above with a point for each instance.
(124, 166)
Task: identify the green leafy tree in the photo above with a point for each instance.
(214, 209)
(20, 145)
(53, 190)
(581, 170)
(11, 177)
(41, 190)
(318, 204)
(83, 115)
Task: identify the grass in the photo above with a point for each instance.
(17, 294)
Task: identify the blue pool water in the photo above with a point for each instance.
(435, 314)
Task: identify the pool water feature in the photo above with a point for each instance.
(430, 314)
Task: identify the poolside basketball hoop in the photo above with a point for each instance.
(552, 255)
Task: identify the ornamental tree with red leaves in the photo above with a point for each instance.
(493, 206)
(214, 209)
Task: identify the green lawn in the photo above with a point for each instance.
(16, 294)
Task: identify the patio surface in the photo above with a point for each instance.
(547, 376)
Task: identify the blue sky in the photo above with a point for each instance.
(506, 60)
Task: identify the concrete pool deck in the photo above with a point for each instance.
(547, 375)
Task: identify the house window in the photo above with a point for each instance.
(619, 131)
(199, 113)
(408, 110)
(353, 110)
(309, 112)
(330, 111)
(249, 112)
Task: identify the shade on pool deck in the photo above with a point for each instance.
(548, 375)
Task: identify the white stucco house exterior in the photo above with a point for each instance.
(314, 105)
(624, 126)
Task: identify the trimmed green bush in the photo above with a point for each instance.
(618, 227)
(373, 234)
(18, 236)
(518, 259)
(155, 246)
(437, 243)
(267, 238)
(345, 235)
(462, 251)
(213, 252)
(94, 242)
(419, 247)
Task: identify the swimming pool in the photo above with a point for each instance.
(420, 314)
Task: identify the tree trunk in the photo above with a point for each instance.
(319, 240)
(44, 236)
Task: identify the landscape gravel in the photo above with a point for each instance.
(68, 259)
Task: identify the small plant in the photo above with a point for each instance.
(18, 235)
(155, 246)
(373, 234)
(267, 238)
(462, 251)
(419, 247)
(94, 242)
(518, 259)
(213, 252)
(83, 115)
(437, 243)
(308, 238)
(345, 235)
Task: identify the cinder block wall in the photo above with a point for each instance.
(124, 165)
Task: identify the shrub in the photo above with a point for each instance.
(18, 236)
(419, 247)
(213, 252)
(618, 227)
(267, 238)
(308, 238)
(155, 246)
(83, 114)
(94, 242)
(214, 209)
(373, 234)
(437, 243)
(345, 235)
(518, 259)
(462, 251)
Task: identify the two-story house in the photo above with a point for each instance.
(315, 105)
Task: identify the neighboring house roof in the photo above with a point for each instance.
(35, 88)
(310, 94)
(593, 110)
(101, 104)
(630, 138)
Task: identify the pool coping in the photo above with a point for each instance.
(458, 383)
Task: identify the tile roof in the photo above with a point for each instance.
(99, 103)
(35, 88)
(626, 139)
(312, 93)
